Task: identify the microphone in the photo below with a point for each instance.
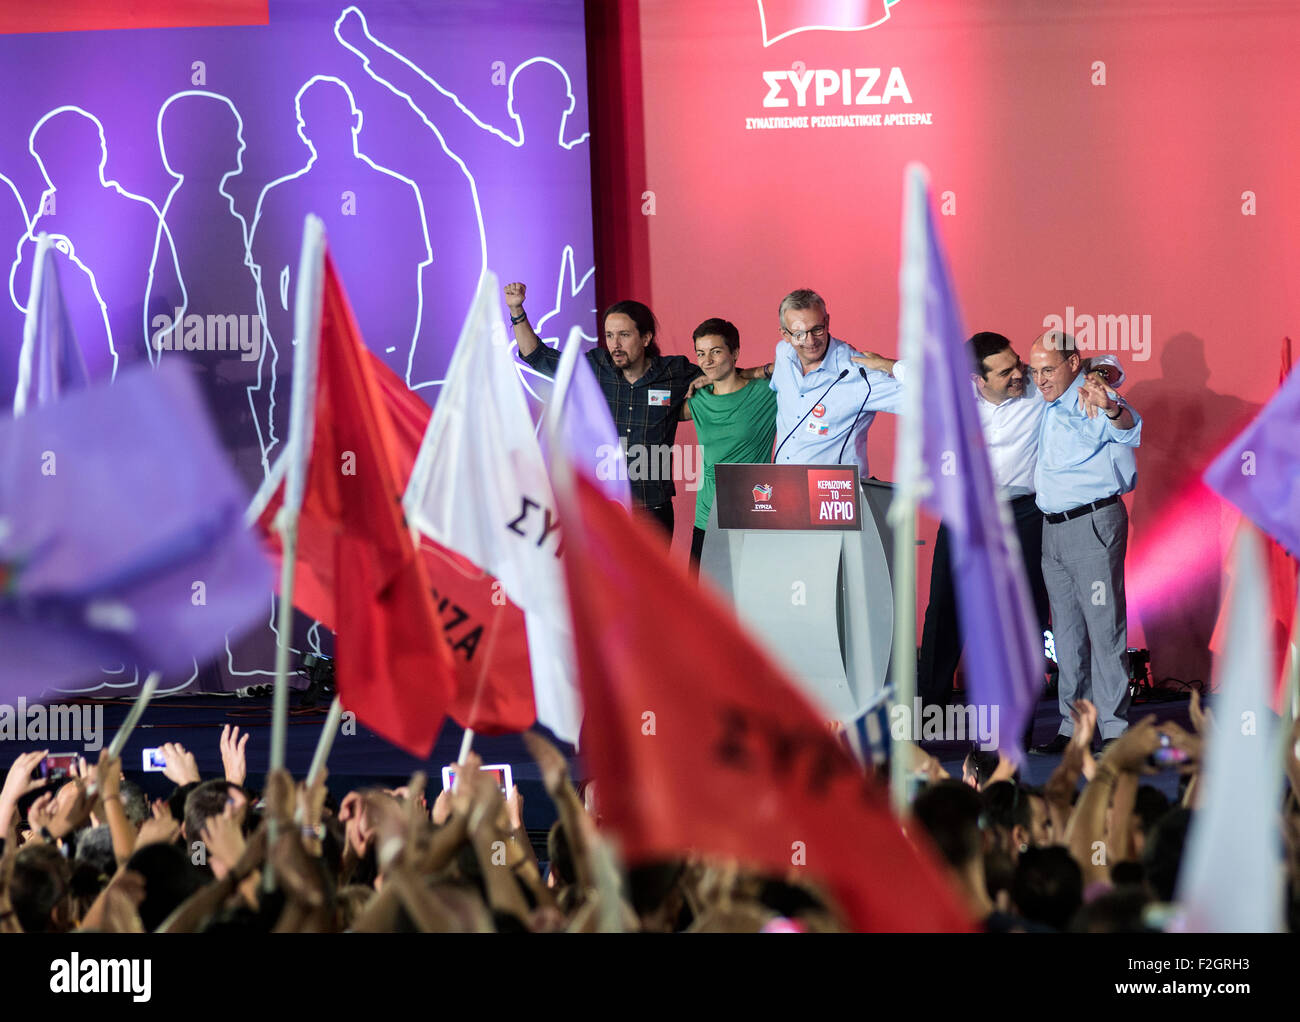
(843, 373)
(855, 418)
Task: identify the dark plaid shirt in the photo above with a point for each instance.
(641, 425)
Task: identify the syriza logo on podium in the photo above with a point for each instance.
(763, 497)
(782, 18)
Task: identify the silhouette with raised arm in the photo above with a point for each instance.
(537, 148)
(360, 202)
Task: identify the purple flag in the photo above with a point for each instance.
(1260, 470)
(121, 535)
(1004, 655)
(50, 361)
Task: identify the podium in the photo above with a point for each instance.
(804, 553)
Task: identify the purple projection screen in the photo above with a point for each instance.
(173, 169)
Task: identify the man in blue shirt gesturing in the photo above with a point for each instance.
(1086, 462)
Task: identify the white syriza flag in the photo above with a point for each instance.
(480, 487)
(1231, 880)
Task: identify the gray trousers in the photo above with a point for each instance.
(1083, 567)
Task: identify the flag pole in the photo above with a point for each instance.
(326, 740)
(307, 319)
(137, 710)
(1291, 697)
(287, 527)
(307, 315)
(493, 629)
(31, 326)
(907, 470)
(1293, 658)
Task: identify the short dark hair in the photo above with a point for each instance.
(1163, 854)
(560, 855)
(982, 765)
(1119, 910)
(1007, 806)
(205, 801)
(642, 318)
(723, 328)
(168, 880)
(1048, 887)
(41, 882)
(176, 800)
(984, 344)
(949, 812)
(1149, 805)
(1128, 873)
(649, 885)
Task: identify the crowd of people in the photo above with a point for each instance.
(1094, 849)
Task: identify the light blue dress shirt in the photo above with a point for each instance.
(818, 439)
(1081, 460)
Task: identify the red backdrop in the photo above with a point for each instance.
(1120, 158)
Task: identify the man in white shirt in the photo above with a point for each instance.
(1011, 410)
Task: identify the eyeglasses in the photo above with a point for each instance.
(798, 336)
(1047, 372)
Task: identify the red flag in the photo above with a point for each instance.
(699, 743)
(480, 624)
(424, 624)
(357, 569)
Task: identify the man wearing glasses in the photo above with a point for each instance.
(824, 405)
(1086, 462)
